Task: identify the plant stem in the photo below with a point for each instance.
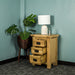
(25, 30)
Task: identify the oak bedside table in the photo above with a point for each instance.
(44, 50)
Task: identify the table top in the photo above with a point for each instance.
(40, 35)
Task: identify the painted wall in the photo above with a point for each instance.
(9, 14)
(62, 19)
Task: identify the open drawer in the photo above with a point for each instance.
(39, 51)
(39, 43)
(38, 59)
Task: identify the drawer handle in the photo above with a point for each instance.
(38, 43)
(36, 51)
(34, 59)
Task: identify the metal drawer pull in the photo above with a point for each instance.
(38, 43)
(36, 51)
(34, 59)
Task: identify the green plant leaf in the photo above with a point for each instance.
(12, 29)
(24, 35)
(30, 20)
(32, 30)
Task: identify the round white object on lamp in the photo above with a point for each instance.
(44, 20)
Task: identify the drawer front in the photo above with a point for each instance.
(39, 43)
(39, 51)
(37, 59)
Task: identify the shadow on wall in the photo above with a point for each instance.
(51, 24)
(52, 20)
(14, 42)
(59, 45)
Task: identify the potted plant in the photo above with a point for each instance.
(24, 39)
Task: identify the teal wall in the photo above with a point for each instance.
(9, 14)
(62, 19)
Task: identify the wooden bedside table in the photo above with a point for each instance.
(44, 50)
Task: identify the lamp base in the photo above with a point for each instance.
(44, 30)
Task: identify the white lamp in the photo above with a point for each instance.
(44, 20)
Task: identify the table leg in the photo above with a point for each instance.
(28, 53)
(19, 54)
(48, 54)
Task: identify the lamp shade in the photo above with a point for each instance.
(43, 19)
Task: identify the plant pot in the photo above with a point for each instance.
(24, 44)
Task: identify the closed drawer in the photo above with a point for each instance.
(37, 59)
(40, 43)
(39, 51)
